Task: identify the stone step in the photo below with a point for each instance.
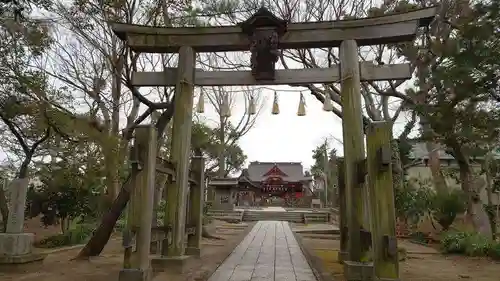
(308, 217)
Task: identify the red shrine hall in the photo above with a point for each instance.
(276, 184)
(262, 181)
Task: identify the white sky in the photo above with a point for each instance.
(287, 137)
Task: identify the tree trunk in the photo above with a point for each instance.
(4, 207)
(112, 175)
(222, 136)
(65, 223)
(497, 214)
(489, 188)
(397, 165)
(435, 166)
(332, 181)
(432, 148)
(160, 182)
(102, 234)
(475, 210)
(489, 195)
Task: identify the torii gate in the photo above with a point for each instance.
(264, 34)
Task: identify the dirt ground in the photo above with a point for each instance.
(58, 267)
(35, 226)
(422, 263)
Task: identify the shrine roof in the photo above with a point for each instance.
(289, 171)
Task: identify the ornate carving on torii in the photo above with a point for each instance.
(264, 31)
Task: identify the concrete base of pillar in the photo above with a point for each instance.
(342, 256)
(358, 271)
(192, 251)
(17, 248)
(174, 264)
(16, 244)
(22, 259)
(133, 274)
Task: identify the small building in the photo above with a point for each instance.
(262, 183)
(421, 171)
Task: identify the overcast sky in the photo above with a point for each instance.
(287, 137)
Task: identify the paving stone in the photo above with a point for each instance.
(242, 273)
(221, 275)
(285, 277)
(269, 252)
(260, 279)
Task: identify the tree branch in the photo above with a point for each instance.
(15, 132)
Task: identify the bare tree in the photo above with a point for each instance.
(223, 101)
(91, 21)
(91, 62)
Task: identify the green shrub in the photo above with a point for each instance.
(120, 224)
(454, 242)
(494, 251)
(477, 245)
(160, 212)
(412, 200)
(470, 244)
(77, 235)
(81, 233)
(445, 206)
(54, 241)
(491, 212)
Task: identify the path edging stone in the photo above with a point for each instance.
(314, 262)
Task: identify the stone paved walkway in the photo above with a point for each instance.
(269, 252)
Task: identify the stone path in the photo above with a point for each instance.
(263, 209)
(269, 252)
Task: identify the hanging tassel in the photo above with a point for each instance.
(225, 110)
(200, 107)
(328, 105)
(251, 106)
(301, 111)
(276, 107)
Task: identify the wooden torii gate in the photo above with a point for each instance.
(264, 34)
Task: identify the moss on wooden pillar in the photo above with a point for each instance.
(342, 210)
(354, 150)
(384, 243)
(142, 196)
(196, 198)
(175, 214)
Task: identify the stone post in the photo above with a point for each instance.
(15, 246)
(196, 205)
(18, 190)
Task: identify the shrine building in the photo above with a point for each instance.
(260, 183)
